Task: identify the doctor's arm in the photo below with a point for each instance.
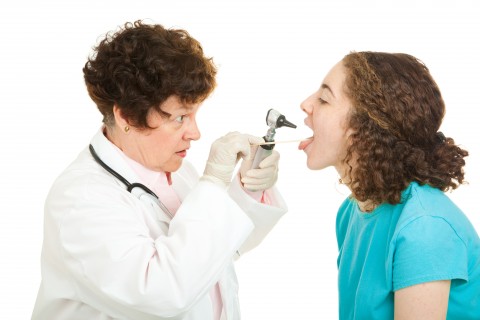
(255, 192)
(122, 269)
(224, 154)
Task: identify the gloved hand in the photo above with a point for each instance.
(262, 178)
(224, 155)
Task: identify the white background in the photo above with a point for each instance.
(270, 54)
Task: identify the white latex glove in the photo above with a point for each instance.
(224, 155)
(262, 178)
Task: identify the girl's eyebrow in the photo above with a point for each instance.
(325, 86)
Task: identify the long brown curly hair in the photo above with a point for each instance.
(397, 110)
(139, 66)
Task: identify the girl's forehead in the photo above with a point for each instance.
(335, 78)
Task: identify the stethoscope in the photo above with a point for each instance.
(130, 186)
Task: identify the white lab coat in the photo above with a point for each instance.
(110, 254)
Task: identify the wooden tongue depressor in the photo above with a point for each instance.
(277, 142)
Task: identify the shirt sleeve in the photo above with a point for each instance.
(428, 249)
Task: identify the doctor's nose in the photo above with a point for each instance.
(192, 133)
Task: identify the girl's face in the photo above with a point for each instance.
(327, 110)
(164, 147)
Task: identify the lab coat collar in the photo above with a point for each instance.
(109, 154)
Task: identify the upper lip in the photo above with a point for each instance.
(184, 149)
(307, 121)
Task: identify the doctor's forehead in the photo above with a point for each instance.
(175, 104)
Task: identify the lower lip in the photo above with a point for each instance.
(182, 154)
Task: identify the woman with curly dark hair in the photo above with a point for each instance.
(131, 231)
(406, 251)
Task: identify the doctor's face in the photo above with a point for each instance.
(327, 111)
(164, 147)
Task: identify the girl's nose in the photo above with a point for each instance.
(306, 107)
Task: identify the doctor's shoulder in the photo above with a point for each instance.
(84, 180)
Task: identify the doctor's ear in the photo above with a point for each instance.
(120, 119)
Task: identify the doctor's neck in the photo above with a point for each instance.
(114, 136)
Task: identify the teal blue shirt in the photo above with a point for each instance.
(424, 238)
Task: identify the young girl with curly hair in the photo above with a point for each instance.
(406, 251)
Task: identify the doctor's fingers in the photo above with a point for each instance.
(242, 143)
(267, 168)
(234, 135)
(265, 173)
(260, 179)
(249, 145)
(233, 146)
(256, 187)
(271, 160)
(257, 184)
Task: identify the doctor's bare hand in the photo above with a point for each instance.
(224, 155)
(262, 178)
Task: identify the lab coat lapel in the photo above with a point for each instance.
(182, 183)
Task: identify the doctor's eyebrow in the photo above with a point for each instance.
(184, 108)
(325, 86)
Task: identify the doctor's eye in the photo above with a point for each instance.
(180, 118)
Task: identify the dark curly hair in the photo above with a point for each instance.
(397, 110)
(139, 66)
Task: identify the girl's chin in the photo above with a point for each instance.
(314, 165)
(311, 165)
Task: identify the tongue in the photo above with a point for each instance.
(304, 144)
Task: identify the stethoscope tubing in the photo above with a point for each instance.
(130, 186)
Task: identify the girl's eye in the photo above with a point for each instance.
(322, 101)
